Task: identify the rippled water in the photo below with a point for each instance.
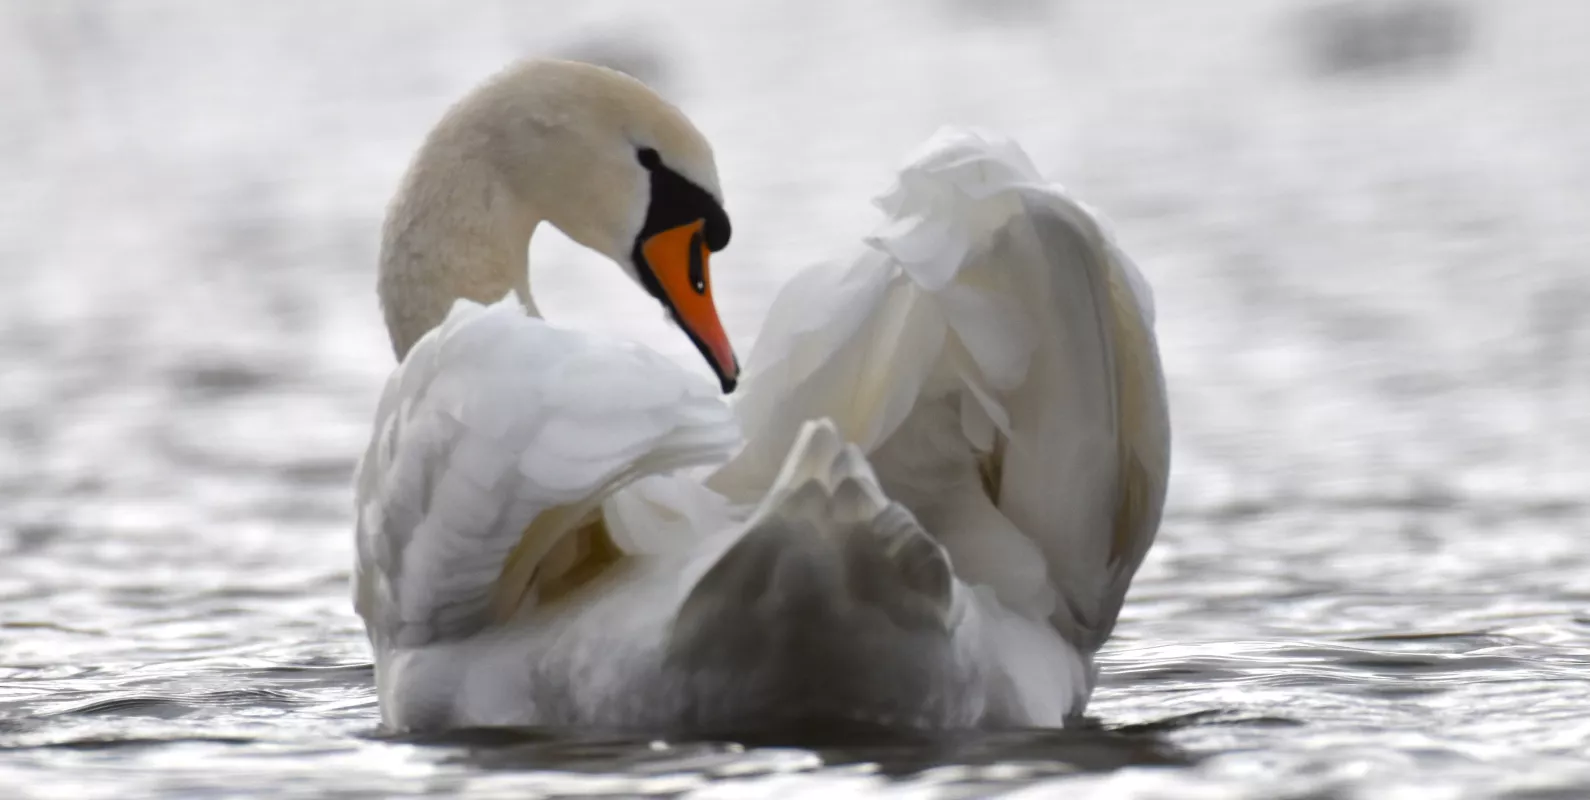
(1372, 580)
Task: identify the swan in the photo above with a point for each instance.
(945, 460)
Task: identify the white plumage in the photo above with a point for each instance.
(991, 313)
(494, 420)
(949, 456)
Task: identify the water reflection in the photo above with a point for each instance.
(891, 753)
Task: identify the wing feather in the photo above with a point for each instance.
(500, 434)
(992, 351)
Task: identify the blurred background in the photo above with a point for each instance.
(1365, 222)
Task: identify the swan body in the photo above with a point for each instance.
(946, 459)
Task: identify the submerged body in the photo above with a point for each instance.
(946, 459)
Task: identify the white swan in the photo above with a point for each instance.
(533, 550)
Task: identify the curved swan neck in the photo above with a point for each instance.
(550, 141)
(455, 230)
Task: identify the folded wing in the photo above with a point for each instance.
(495, 443)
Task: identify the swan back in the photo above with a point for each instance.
(834, 603)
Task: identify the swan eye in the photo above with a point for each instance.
(648, 158)
(698, 263)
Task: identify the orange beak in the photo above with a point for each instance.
(677, 258)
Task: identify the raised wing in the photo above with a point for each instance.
(992, 352)
(495, 442)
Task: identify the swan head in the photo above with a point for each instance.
(616, 168)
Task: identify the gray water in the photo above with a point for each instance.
(1368, 250)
